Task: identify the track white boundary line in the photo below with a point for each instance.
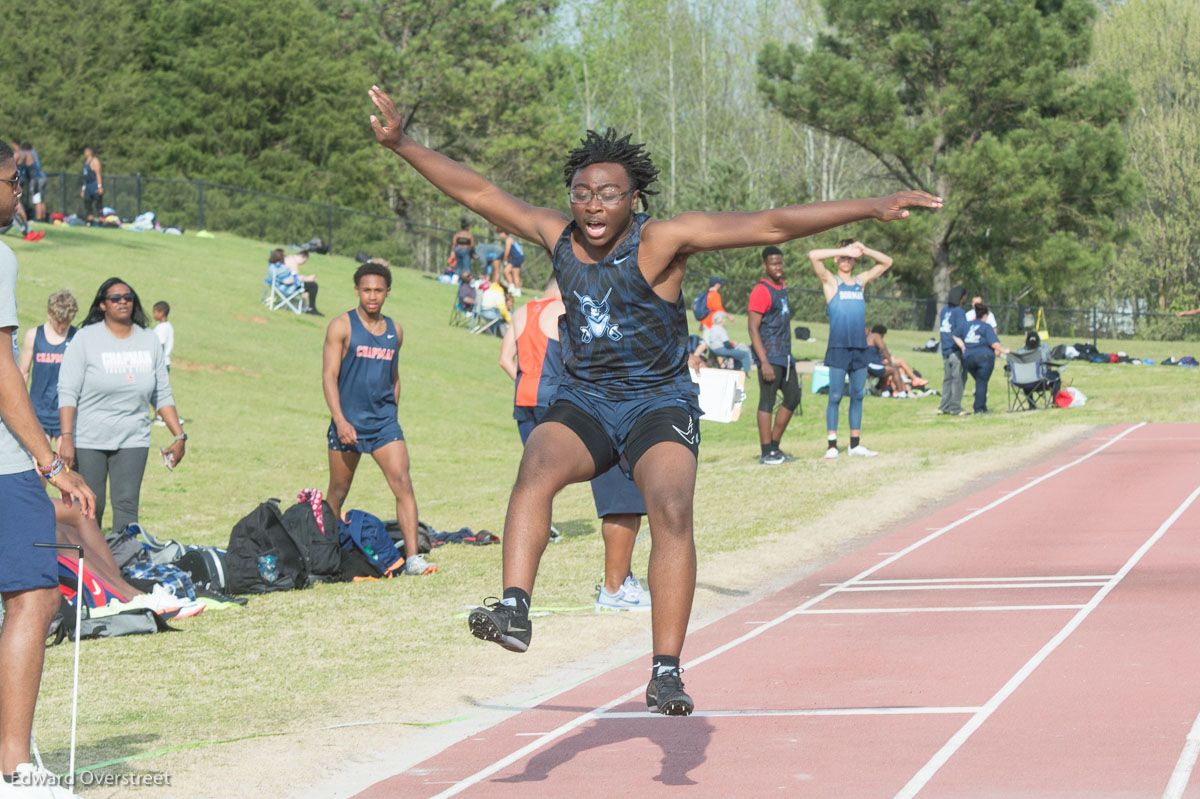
(862, 588)
(922, 777)
(939, 580)
(824, 711)
(963, 609)
(565, 728)
(1183, 768)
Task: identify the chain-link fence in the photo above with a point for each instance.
(202, 205)
(921, 313)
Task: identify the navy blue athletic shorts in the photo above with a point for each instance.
(367, 441)
(850, 359)
(613, 492)
(28, 519)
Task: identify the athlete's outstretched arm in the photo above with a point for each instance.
(463, 184)
(336, 340)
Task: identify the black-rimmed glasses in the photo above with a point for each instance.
(580, 196)
(14, 182)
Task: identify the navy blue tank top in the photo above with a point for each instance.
(847, 316)
(773, 329)
(620, 340)
(365, 384)
(91, 185)
(43, 390)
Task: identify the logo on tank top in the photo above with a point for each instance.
(597, 319)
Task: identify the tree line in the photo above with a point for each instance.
(1060, 132)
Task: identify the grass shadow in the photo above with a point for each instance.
(578, 528)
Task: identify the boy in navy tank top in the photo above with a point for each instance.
(362, 386)
(626, 396)
(41, 358)
(846, 353)
(769, 315)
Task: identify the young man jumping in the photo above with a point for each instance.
(362, 388)
(626, 396)
(846, 353)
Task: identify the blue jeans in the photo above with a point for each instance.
(858, 390)
(742, 356)
(980, 366)
(463, 257)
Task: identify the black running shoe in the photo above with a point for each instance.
(665, 695)
(503, 624)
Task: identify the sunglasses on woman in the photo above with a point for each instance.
(120, 297)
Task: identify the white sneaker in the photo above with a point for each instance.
(630, 596)
(31, 781)
(862, 451)
(516, 292)
(417, 566)
(831, 453)
(164, 603)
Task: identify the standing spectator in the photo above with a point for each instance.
(164, 330)
(975, 302)
(36, 178)
(488, 254)
(952, 327)
(19, 217)
(42, 356)
(713, 301)
(980, 348)
(514, 257)
(113, 369)
(716, 337)
(93, 188)
(846, 353)
(461, 245)
(28, 574)
(769, 316)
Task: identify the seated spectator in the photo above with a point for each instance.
(72, 527)
(294, 262)
(883, 364)
(1051, 377)
(466, 293)
(718, 341)
(495, 304)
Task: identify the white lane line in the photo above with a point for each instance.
(863, 588)
(821, 711)
(947, 751)
(968, 608)
(1183, 768)
(565, 728)
(1050, 578)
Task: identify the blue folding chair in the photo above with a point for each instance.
(282, 288)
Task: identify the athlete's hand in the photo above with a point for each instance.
(854, 250)
(72, 486)
(176, 449)
(895, 206)
(767, 371)
(66, 450)
(390, 131)
(346, 433)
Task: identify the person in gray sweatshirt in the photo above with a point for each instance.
(111, 371)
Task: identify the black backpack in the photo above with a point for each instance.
(206, 567)
(322, 552)
(261, 556)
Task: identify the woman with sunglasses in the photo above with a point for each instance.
(112, 370)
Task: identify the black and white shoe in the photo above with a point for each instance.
(504, 624)
(665, 695)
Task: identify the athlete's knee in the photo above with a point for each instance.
(670, 514)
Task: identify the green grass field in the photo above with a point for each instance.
(248, 382)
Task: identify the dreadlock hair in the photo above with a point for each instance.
(612, 148)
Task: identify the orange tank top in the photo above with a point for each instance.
(531, 354)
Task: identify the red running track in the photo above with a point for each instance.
(1036, 639)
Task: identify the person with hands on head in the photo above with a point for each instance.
(952, 326)
(846, 353)
(28, 573)
(626, 395)
(361, 378)
(768, 316)
(980, 348)
(112, 369)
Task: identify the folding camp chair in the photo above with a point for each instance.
(1030, 385)
(460, 316)
(283, 289)
(481, 323)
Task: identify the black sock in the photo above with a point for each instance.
(766, 449)
(520, 599)
(832, 443)
(9, 778)
(775, 445)
(853, 442)
(662, 663)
